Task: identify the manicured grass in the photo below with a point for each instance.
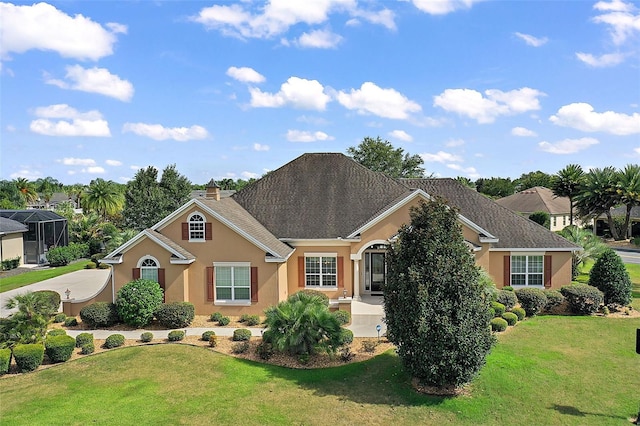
(547, 370)
(31, 277)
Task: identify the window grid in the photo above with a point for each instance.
(196, 228)
(527, 270)
(321, 271)
(149, 270)
(233, 283)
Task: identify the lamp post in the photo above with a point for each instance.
(68, 293)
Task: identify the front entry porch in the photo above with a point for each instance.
(369, 270)
(366, 314)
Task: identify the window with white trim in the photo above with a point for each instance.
(196, 227)
(527, 270)
(149, 269)
(233, 281)
(321, 270)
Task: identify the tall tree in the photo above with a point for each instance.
(466, 182)
(495, 187)
(380, 156)
(436, 310)
(566, 183)
(175, 187)
(628, 192)
(103, 197)
(533, 179)
(598, 195)
(27, 190)
(10, 197)
(46, 187)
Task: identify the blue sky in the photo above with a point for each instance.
(234, 89)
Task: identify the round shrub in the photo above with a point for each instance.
(532, 300)
(240, 347)
(70, 322)
(243, 318)
(5, 360)
(57, 332)
(59, 256)
(343, 317)
(323, 297)
(498, 324)
(215, 317)
(507, 288)
(28, 357)
(146, 337)
(582, 299)
(213, 340)
(59, 348)
(99, 314)
(90, 265)
(176, 314)
(83, 338)
(59, 317)
(610, 276)
(137, 302)
(507, 298)
(554, 299)
(224, 321)
(87, 348)
(207, 334)
(114, 341)
(346, 337)
(510, 318)
(52, 298)
(253, 320)
(241, 334)
(175, 335)
(520, 313)
(498, 309)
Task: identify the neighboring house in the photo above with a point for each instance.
(601, 226)
(56, 198)
(541, 199)
(45, 229)
(11, 239)
(320, 222)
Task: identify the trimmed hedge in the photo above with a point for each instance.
(57, 332)
(532, 300)
(99, 314)
(59, 317)
(510, 318)
(507, 298)
(224, 321)
(310, 292)
(241, 334)
(28, 357)
(520, 313)
(207, 334)
(114, 341)
(346, 336)
(498, 309)
(582, 299)
(554, 299)
(59, 348)
(216, 316)
(176, 314)
(343, 317)
(5, 360)
(70, 322)
(253, 320)
(146, 337)
(175, 335)
(83, 338)
(87, 348)
(498, 324)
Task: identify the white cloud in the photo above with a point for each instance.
(29, 174)
(73, 123)
(451, 143)
(442, 7)
(70, 161)
(471, 172)
(386, 103)
(602, 61)
(581, 116)
(622, 18)
(113, 163)
(384, 17)
(319, 39)
(296, 92)
(245, 75)
(250, 175)
(441, 157)
(159, 132)
(65, 111)
(305, 136)
(567, 146)
(260, 147)
(472, 104)
(531, 40)
(43, 27)
(94, 170)
(401, 135)
(95, 80)
(523, 132)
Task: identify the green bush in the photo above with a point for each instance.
(70, 322)
(343, 317)
(90, 265)
(520, 313)
(28, 357)
(207, 334)
(138, 301)
(346, 337)
(175, 335)
(114, 341)
(99, 314)
(554, 299)
(510, 318)
(369, 345)
(532, 300)
(8, 264)
(176, 314)
(541, 218)
(582, 299)
(507, 298)
(57, 332)
(224, 321)
(78, 250)
(241, 334)
(508, 288)
(83, 338)
(59, 348)
(87, 348)
(215, 317)
(243, 318)
(240, 347)
(253, 320)
(59, 317)
(52, 297)
(146, 337)
(264, 350)
(5, 360)
(59, 256)
(323, 297)
(498, 324)
(610, 276)
(498, 309)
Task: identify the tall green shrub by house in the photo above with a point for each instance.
(436, 310)
(137, 302)
(611, 277)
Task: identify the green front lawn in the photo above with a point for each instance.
(546, 371)
(32, 277)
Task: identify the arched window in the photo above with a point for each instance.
(196, 227)
(149, 269)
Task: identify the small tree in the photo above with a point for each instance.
(437, 312)
(541, 218)
(137, 301)
(611, 277)
(29, 323)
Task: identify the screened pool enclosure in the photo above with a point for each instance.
(46, 230)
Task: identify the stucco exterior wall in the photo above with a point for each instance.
(12, 247)
(560, 267)
(293, 270)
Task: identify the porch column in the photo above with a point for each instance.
(356, 279)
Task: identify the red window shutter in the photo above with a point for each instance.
(161, 282)
(547, 271)
(210, 281)
(135, 273)
(301, 280)
(340, 272)
(208, 231)
(185, 231)
(506, 279)
(254, 283)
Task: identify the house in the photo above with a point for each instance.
(601, 227)
(45, 229)
(541, 199)
(320, 222)
(11, 239)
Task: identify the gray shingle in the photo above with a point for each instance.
(10, 226)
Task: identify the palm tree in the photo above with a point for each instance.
(85, 227)
(628, 191)
(46, 187)
(598, 195)
(566, 183)
(103, 197)
(29, 323)
(592, 247)
(27, 190)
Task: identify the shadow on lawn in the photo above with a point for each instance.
(573, 411)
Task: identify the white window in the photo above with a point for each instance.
(321, 270)
(564, 220)
(196, 227)
(233, 281)
(555, 221)
(527, 270)
(149, 269)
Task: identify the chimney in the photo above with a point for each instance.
(212, 191)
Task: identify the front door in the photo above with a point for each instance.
(375, 272)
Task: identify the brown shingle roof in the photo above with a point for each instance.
(174, 246)
(536, 199)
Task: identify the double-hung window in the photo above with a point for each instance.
(196, 227)
(321, 270)
(527, 270)
(233, 281)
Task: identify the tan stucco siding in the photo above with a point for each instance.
(560, 267)
(12, 247)
(293, 282)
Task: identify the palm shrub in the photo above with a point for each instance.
(5, 360)
(176, 314)
(582, 299)
(532, 300)
(592, 247)
(59, 348)
(302, 324)
(99, 314)
(29, 323)
(137, 301)
(610, 276)
(29, 356)
(53, 298)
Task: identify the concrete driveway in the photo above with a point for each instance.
(82, 284)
